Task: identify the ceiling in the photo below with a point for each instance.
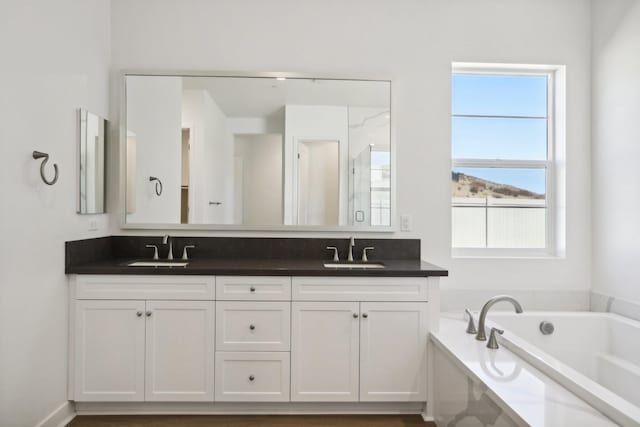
(263, 96)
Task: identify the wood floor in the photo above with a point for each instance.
(250, 421)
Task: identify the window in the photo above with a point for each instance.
(502, 169)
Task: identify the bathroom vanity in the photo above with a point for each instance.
(249, 330)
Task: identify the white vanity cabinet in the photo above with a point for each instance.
(151, 338)
(362, 348)
(125, 349)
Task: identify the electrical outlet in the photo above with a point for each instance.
(405, 222)
(93, 225)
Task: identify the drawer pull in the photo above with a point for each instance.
(139, 313)
(252, 289)
(365, 315)
(355, 315)
(251, 378)
(252, 327)
(149, 313)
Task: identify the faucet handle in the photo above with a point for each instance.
(493, 341)
(364, 253)
(155, 251)
(335, 253)
(185, 255)
(471, 327)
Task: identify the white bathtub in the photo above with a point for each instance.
(595, 355)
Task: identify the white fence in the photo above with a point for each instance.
(498, 223)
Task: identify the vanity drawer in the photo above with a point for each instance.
(253, 326)
(252, 377)
(359, 289)
(248, 288)
(139, 287)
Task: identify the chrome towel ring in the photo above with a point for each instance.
(158, 184)
(45, 156)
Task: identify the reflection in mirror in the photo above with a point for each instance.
(258, 151)
(92, 137)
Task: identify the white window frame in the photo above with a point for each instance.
(550, 72)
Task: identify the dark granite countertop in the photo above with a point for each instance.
(261, 267)
(246, 256)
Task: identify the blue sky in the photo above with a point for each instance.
(521, 136)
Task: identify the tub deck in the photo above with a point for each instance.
(525, 394)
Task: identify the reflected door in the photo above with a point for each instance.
(318, 182)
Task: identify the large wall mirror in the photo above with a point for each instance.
(261, 152)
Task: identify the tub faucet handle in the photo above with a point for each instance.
(493, 341)
(471, 327)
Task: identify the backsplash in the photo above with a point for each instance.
(133, 247)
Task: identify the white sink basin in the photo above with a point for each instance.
(354, 266)
(158, 264)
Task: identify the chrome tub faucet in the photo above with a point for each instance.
(481, 336)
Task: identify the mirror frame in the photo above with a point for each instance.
(122, 137)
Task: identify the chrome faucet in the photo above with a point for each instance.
(352, 243)
(481, 336)
(167, 239)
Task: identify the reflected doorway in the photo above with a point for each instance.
(184, 184)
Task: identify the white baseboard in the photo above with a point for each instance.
(245, 408)
(60, 417)
(427, 418)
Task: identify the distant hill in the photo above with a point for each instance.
(463, 185)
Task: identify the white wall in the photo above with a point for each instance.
(261, 181)
(55, 59)
(318, 183)
(414, 44)
(616, 148)
(154, 115)
(306, 123)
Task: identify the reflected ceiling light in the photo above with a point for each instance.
(387, 116)
(281, 78)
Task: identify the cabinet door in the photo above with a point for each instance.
(109, 351)
(324, 351)
(393, 351)
(180, 350)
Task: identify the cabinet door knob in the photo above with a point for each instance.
(139, 313)
(252, 327)
(355, 315)
(251, 378)
(149, 313)
(252, 289)
(365, 315)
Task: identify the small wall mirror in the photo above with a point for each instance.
(257, 152)
(91, 194)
